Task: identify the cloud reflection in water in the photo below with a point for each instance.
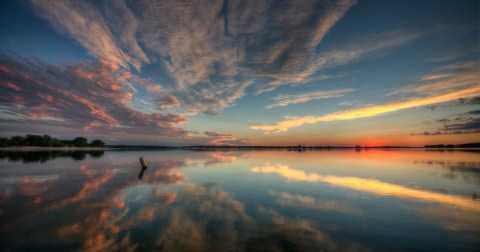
(370, 185)
(209, 201)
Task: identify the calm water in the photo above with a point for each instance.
(342, 200)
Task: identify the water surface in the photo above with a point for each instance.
(341, 200)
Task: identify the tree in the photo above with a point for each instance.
(4, 142)
(80, 142)
(67, 143)
(58, 143)
(47, 141)
(97, 143)
(17, 141)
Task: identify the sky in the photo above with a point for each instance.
(178, 73)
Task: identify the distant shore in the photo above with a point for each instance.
(41, 148)
(212, 147)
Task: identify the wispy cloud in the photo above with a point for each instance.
(292, 32)
(297, 200)
(459, 85)
(450, 77)
(107, 31)
(284, 100)
(449, 56)
(226, 139)
(212, 52)
(373, 45)
(368, 111)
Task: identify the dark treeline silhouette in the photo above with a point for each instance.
(48, 141)
(44, 156)
(467, 145)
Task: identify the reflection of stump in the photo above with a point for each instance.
(140, 175)
(143, 163)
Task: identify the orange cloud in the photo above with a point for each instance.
(370, 111)
(167, 101)
(91, 95)
(371, 185)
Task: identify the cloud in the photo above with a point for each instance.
(282, 37)
(474, 112)
(111, 219)
(467, 170)
(182, 213)
(453, 55)
(211, 57)
(106, 30)
(449, 132)
(460, 85)
(212, 52)
(215, 134)
(222, 157)
(210, 98)
(434, 77)
(446, 78)
(296, 233)
(284, 100)
(465, 123)
(368, 111)
(226, 139)
(188, 40)
(370, 186)
(373, 45)
(370, 45)
(458, 220)
(200, 207)
(473, 124)
(472, 101)
(297, 200)
(428, 133)
(79, 96)
(167, 101)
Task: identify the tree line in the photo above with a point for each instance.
(48, 141)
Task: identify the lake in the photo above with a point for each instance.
(260, 200)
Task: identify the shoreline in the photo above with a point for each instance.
(41, 148)
(206, 148)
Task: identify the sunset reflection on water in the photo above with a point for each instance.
(338, 200)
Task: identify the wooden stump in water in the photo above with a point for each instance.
(140, 175)
(143, 163)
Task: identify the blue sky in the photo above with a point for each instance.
(242, 72)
